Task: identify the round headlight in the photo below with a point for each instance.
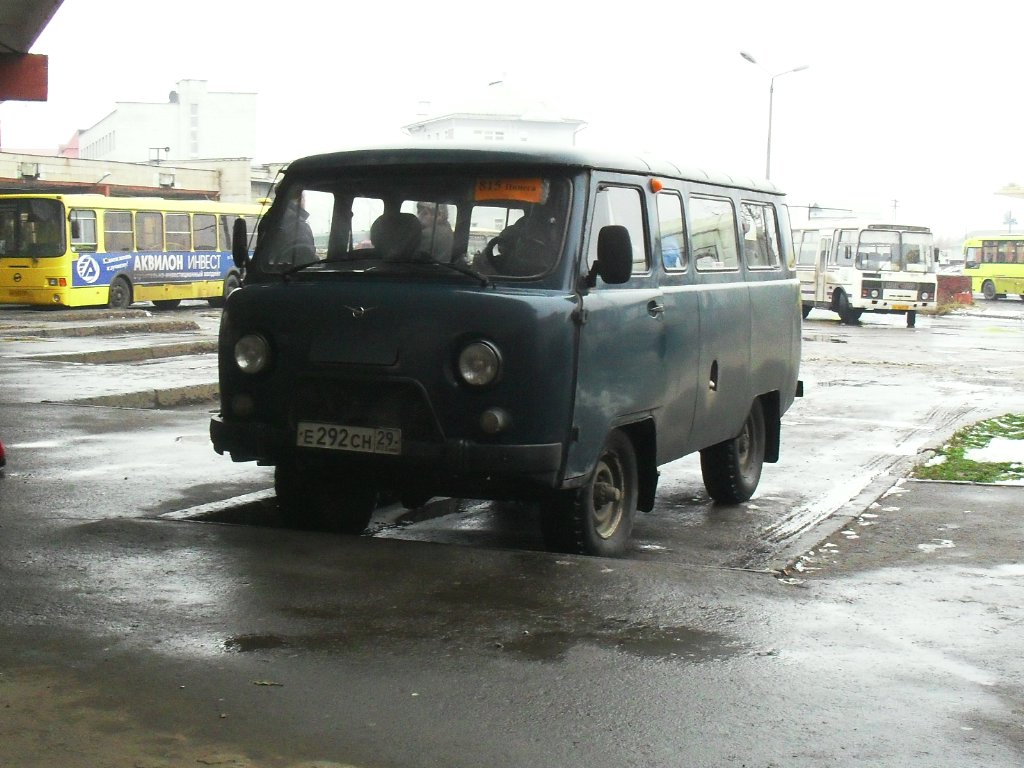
(479, 363)
(252, 353)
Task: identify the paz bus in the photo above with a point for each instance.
(851, 267)
(75, 250)
(995, 264)
(622, 313)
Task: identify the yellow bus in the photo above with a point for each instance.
(79, 250)
(995, 264)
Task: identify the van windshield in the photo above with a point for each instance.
(410, 222)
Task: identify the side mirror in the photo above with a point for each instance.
(614, 256)
(240, 244)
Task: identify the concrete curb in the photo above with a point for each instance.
(150, 399)
(107, 329)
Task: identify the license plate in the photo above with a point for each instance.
(903, 307)
(335, 437)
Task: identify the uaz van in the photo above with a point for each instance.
(548, 326)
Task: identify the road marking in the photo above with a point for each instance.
(219, 506)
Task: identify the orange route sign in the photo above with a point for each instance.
(520, 190)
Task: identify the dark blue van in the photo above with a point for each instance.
(540, 325)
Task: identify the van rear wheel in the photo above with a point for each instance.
(317, 501)
(596, 519)
(732, 469)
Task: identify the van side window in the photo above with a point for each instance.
(671, 231)
(760, 236)
(713, 234)
(622, 206)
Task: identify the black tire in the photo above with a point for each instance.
(120, 295)
(911, 319)
(162, 304)
(988, 290)
(231, 284)
(805, 309)
(596, 519)
(316, 501)
(847, 314)
(732, 468)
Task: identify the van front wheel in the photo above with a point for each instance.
(732, 468)
(315, 501)
(596, 519)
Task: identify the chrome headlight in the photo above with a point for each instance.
(252, 353)
(479, 363)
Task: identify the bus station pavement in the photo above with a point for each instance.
(134, 358)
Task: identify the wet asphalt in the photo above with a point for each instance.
(890, 635)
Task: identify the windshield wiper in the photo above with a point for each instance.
(346, 257)
(454, 266)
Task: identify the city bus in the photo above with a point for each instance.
(851, 267)
(78, 250)
(995, 264)
(590, 318)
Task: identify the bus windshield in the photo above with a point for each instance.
(31, 227)
(408, 222)
(892, 251)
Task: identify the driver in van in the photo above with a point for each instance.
(437, 236)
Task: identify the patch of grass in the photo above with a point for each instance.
(950, 462)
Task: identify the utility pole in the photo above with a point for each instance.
(1009, 221)
(895, 204)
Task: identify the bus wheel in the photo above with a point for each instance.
(988, 288)
(847, 314)
(120, 296)
(911, 318)
(313, 501)
(231, 284)
(596, 519)
(166, 303)
(732, 468)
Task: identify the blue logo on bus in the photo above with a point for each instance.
(88, 269)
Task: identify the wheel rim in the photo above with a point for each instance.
(607, 497)
(747, 449)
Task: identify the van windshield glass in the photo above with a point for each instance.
(409, 222)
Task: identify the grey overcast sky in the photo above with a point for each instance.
(908, 102)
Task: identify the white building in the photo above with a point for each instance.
(193, 124)
(498, 113)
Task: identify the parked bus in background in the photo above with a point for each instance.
(90, 250)
(995, 264)
(851, 267)
(590, 318)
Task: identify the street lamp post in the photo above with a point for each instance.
(771, 101)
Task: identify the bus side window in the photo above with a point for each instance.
(621, 206)
(83, 230)
(149, 227)
(251, 227)
(671, 231)
(204, 231)
(179, 232)
(117, 231)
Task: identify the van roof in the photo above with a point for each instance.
(467, 155)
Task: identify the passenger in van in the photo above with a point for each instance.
(297, 245)
(396, 235)
(437, 235)
(523, 248)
